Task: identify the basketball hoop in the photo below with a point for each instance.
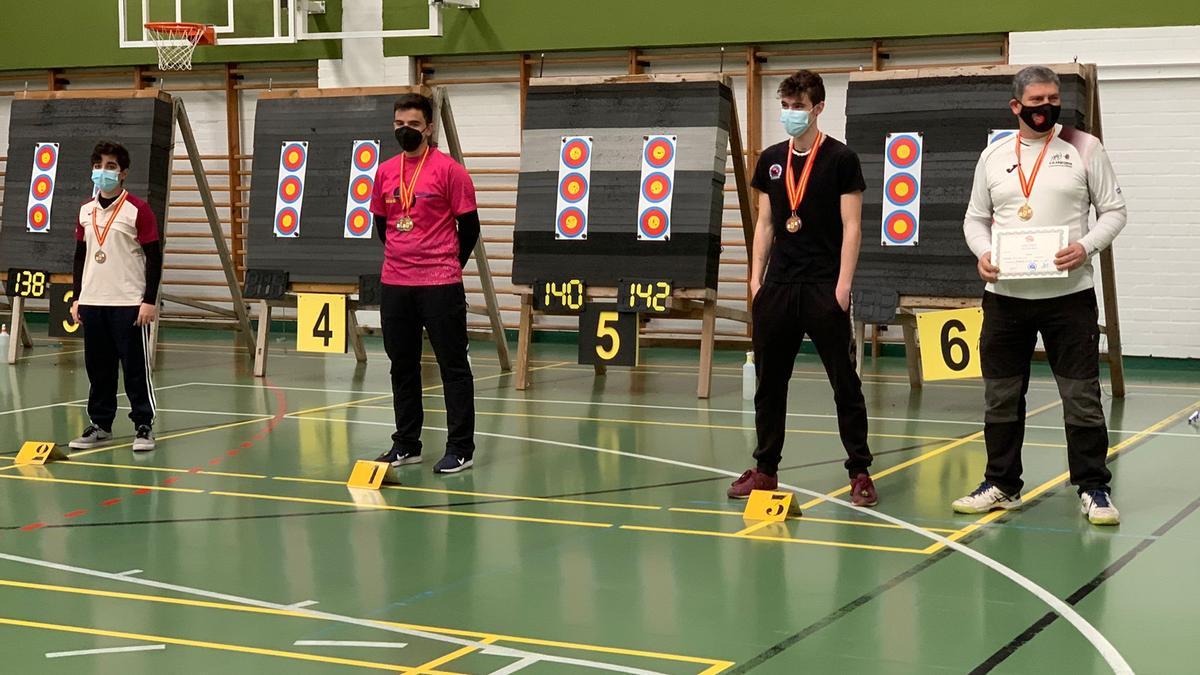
(176, 41)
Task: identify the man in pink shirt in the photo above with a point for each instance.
(425, 213)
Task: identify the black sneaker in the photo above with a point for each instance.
(144, 440)
(93, 436)
(452, 464)
(397, 457)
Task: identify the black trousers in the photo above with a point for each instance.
(1070, 332)
(442, 312)
(111, 341)
(783, 314)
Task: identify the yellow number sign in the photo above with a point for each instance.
(39, 452)
(950, 343)
(321, 323)
(770, 506)
(370, 475)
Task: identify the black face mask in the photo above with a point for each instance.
(1048, 112)
(409, 138)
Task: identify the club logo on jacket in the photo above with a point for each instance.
(776, 171)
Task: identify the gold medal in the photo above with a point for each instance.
(100, 257)
(405, 224)
(797, 187)
(408, 193)
(1025, 212)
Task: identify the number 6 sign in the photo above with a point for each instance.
(950, 343)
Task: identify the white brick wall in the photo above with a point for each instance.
(1150, 99)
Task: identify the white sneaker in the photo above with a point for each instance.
(93, 436)
(1099, 508)
(987, 497)
(143, 441)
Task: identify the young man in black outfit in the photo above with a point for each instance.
(118, 267)
(425, 213)
(808, 229)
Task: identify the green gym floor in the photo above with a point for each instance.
(593, 534)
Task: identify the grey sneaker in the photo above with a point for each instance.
(987, 497)
(1099, 508)
(93, 436)
(144, 440)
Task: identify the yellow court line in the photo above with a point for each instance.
(809, 519)
(921, 458)
(298, 656)
(1065, 476)
(249, 609)
(407, 509)
(456, 654)
(698, 425)
(41, 479)
(165, 469)
(718, 668)
(493, 495)
(762, 524)
(788, 540)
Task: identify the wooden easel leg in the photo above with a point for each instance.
(1112, 323)
(264, 335)
(356, 341)
(16, 334)
(860, 343)
(911, 354)
(707, 337)
(524, 336)
(26, 338)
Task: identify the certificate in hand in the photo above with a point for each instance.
(1028, 252)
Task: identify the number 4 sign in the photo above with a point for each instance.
(321, 323)
(950, 343)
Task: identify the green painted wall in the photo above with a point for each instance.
(89, 37)
(537, 25)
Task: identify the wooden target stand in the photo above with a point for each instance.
(19, 329)
(445, 115)
(1111, 328)
(698, 304)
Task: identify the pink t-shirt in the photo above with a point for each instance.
(427, 255)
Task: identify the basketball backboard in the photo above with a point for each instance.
(266, 22)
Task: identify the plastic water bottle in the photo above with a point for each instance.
(4, 338)
(748, 379)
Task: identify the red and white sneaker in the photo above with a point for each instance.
(750, 481)
(862, 491)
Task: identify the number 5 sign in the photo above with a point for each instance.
(321, 323)
(950, 343)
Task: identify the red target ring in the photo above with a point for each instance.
(575, 153)
(654, 222)
(656, 187)
(900, 227)
(358, 221)
(287, 221)
(659, 152)
(903, 151)
(45, 157)
(360, 189)
(573, 188)
(39, 217)
(901, 189)
(293, 156)
(42, 187)
(290, 189)
(571, 221)
(365, 156)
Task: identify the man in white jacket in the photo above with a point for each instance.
(1046, 175)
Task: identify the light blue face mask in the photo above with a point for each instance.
(795, 122)
(106, 179)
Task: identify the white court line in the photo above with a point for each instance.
(678, 408)
(84, 400)
(264, 415)
(1087, 630)
(129, 573)
(349, 643)
(514, 667)
(327, 616)
(107, 650)
(302, 604)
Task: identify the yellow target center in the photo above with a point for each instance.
(293, 157)
(45, 158)
(902, 189)
(901, 226)
(903, 152)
